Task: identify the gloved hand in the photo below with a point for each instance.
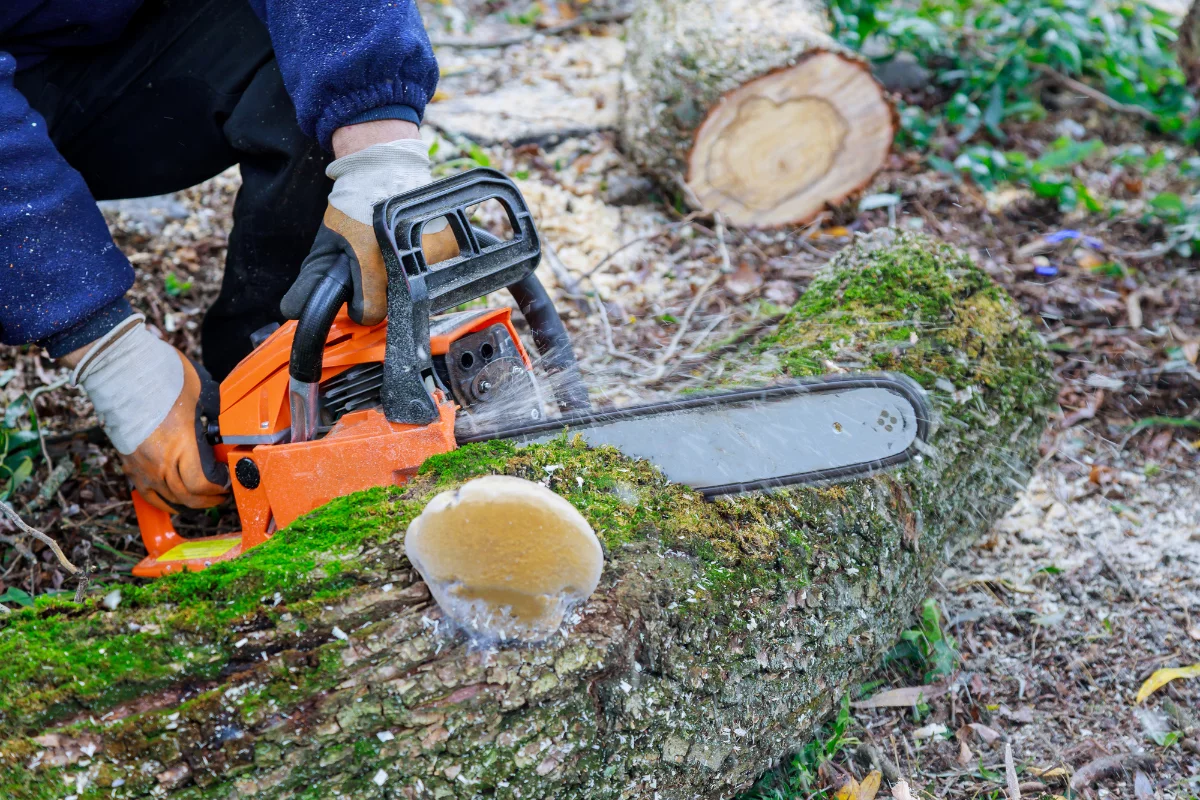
(361, 180)
(150, 399)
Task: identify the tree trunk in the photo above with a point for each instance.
(721, 635)
(1187, 47)
(752, 107)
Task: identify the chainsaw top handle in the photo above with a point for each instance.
(417, 290)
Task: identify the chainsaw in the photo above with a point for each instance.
(323, 406)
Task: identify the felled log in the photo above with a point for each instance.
(721, 635)
(751, 108)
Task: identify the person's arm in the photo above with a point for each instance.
(62, 280)
(63, 284)
(351, 62)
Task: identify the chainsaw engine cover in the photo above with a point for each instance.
(490, 381)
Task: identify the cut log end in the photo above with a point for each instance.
(780, 148)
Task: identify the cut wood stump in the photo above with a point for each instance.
(721, 635)
(751, 108)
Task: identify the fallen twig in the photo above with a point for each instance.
(660, 367)
(565, 279)
(602, 311)
(84, 580)
(869, 755)
(59, 475)
(33, 396)
(15, 518)
(1096, 94)
(521, 38)
(1105, 766)
(722, 248)
(648, 238)
(1087, 412)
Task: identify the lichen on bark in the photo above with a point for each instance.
(720, 636)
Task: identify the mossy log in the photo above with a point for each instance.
(721, 634)
(751, 108)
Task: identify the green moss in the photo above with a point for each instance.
(917, 307)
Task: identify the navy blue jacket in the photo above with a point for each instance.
(59, 268)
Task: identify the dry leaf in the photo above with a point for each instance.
(964, 753)
(930, 731)
(901, 698)
(1088, 259)
(1023, 715)
(1191, 350)
(1050, 774)
(849, 791)
(1162, 677)
(988, 735)
(1142, 788)
(870, 785)
(900, 791)
(1133, 307)
(743, 281)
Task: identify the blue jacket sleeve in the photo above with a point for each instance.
(59, 268)
(342, 60)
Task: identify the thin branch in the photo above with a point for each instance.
(33, 396)
(648, 238)
(521, 38)
(726, 266)
(661, 367)
(1096, 94)
(602, 311)
(15, 518)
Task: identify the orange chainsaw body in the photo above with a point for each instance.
(274, 480)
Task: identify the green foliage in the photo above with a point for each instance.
(528, 17)
(175, 286)
(20, 448)
(14, 596)
(1180, 218)
(987, 54)
(926, 648)
(798, 777)
(1048, 176)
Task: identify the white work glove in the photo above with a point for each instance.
(150, 399)
(361, 180)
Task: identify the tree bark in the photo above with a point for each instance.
(751, 108)
(721, 634)
(1187, 47)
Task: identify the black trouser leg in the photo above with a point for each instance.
(278, 210)
(189, 89)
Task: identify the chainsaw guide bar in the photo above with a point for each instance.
(812, 431)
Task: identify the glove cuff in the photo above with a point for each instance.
(133, 379)
(376, 173)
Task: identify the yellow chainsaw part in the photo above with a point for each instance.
(205, 548)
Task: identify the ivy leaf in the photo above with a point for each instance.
(1168, 203)
(16, 596)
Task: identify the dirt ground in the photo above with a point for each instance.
(1090, 584)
